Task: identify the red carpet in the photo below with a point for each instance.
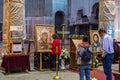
(98, 74)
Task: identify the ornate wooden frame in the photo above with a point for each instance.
(41, 32)
(92, 33)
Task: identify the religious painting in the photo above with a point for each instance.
(44, 37)
(95, 40)
(16, 47)
(16, 32)
(16, 35)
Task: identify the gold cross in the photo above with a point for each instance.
(63, 32)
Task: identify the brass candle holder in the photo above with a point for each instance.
(94, 78)
(56, 77)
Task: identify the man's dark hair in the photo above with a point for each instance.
(85, 38)
(101, 30)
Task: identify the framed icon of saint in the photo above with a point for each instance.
(95, 41)
(44, 36)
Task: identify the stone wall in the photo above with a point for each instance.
(84, 5)
(1, 10)
(38, 8)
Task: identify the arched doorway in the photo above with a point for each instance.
(95, 11)
(95, 15)
(59, 20)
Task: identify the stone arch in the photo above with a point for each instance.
(95, 10)
(59, 20)
(79, 13)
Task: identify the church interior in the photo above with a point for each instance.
(26, 37)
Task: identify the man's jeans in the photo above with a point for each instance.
(84, 69)
(107, 65)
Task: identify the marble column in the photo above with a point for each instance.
(107, 15)
(117, 20)
(14, 15)
(17, 16)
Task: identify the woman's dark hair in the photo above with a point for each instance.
(101, 30)
(55, 36)
(85, 38)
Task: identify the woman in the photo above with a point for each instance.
(44, 41)
(84, 67)
(96, 43)
(56, 43)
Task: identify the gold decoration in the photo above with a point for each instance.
(57, 77)
(43, 36)
(94, 78)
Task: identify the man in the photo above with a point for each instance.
(107, 53)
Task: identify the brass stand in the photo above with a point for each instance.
(63, 32)
(63, 36)
(93, 78)
(29, 45)
(56, 77)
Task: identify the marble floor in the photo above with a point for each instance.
(44, 75)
